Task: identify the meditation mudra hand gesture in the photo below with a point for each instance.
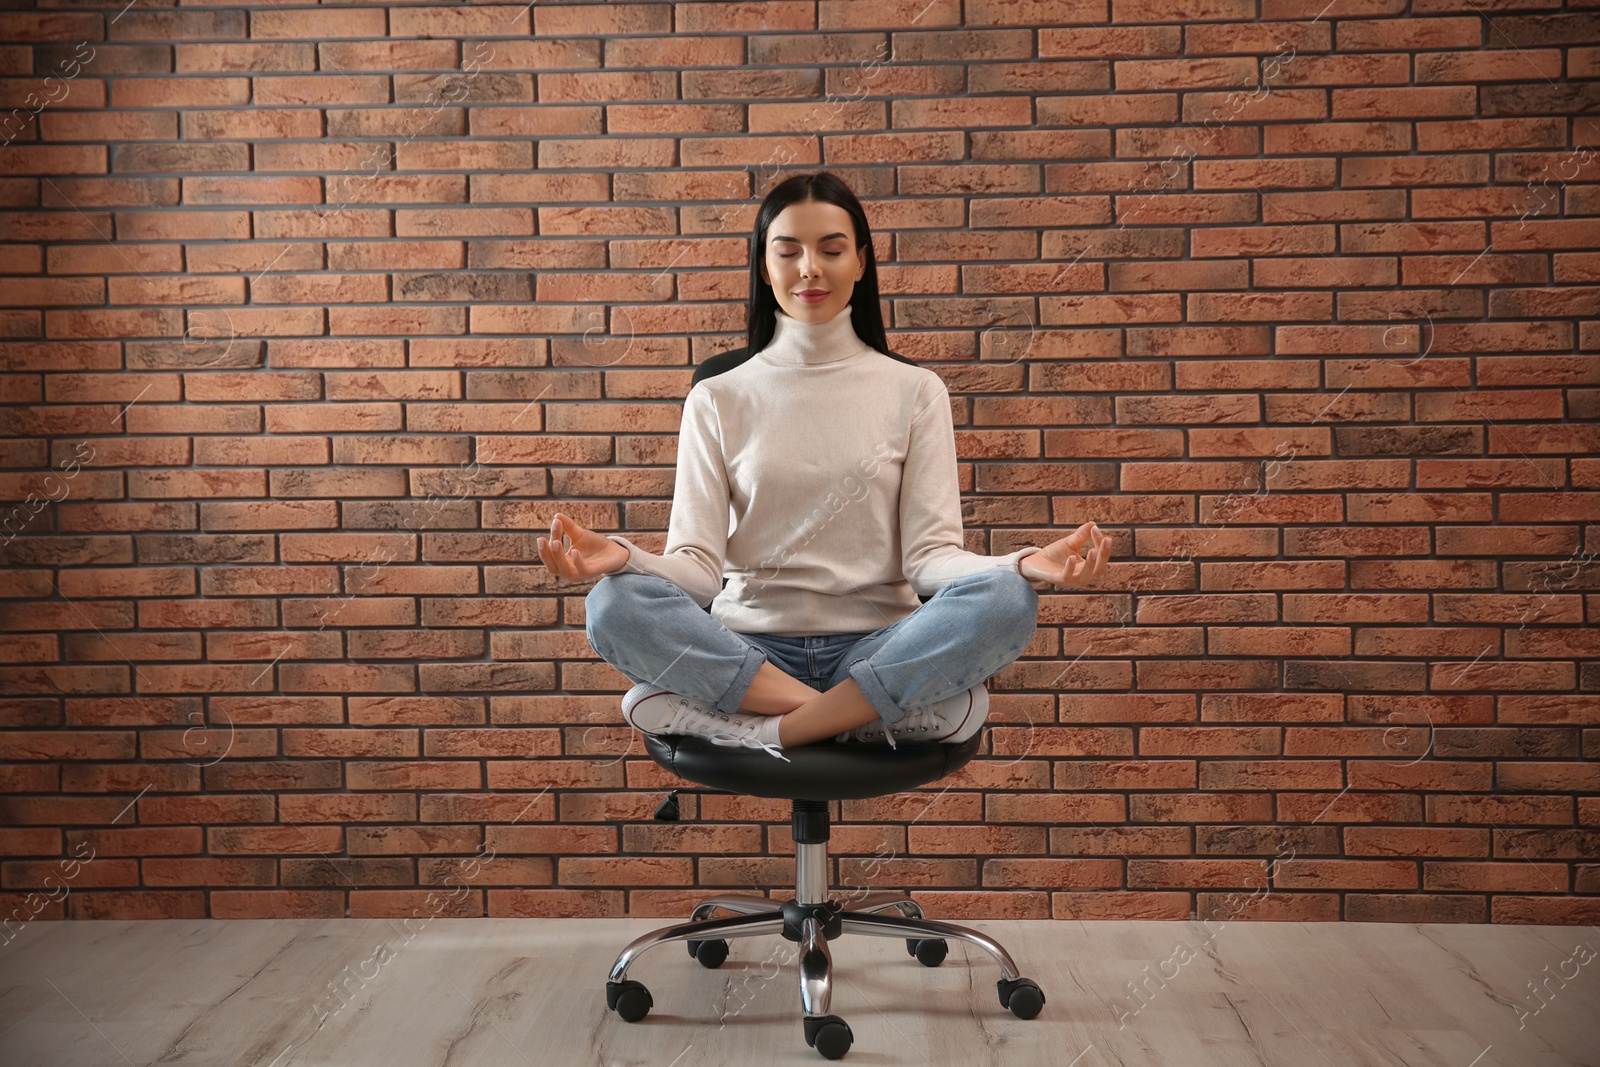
(1065, 562)
(1075, 559)
(591, 555)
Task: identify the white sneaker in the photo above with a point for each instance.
(950, 720)
(655, 710)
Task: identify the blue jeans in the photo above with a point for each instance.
(651, 631)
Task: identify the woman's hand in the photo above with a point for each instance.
(590, 556)
(1076, 559)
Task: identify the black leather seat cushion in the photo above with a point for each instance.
(827, 770)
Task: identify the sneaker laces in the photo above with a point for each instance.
(689, 717)
(916, 720)
(875, 730)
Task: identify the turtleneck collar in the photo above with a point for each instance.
(811, 343)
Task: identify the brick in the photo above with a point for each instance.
(317, 25)
(277, 904)
(489, 20)
(20, 26)
(924, 839)
(1475, 68)
(348, 808)
(96, 873)
(581, 840)
(208, 871)
(692, 839)
(1344, 69)
(245, 840)
(1409, 34)
(44, 842)
(1098, 904)
(79, 744)
(1208, 873)
(183, 811)
(1414, 908)
(624, 870)
(176, 25)
(339, 871)
(556, 903)
(1417, 102)
(420, 904)
(1352, 136)
(1267, 907)
(138, 904)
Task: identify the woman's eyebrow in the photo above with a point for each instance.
(797, 240)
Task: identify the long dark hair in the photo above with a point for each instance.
(761, 316)
(866, 315)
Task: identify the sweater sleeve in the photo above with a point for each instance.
(931, 552)
(697, 532)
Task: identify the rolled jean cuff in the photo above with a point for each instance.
(734, 696)
(875, 693)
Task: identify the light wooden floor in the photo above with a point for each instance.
(465, 992)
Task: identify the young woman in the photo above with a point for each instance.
(816, 471)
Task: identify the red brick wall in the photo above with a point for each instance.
(313, 316)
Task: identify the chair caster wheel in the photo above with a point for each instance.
(930, 951)
(629, 999)
(829, 1035)
(709, 953)
(1023, 997)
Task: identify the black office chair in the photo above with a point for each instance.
(816, 774)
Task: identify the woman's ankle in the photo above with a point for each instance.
(772, 692)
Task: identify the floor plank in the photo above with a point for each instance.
(445, 992)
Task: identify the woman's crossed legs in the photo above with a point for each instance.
(654, 633)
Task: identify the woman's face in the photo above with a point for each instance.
(812, 246)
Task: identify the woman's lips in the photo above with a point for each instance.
(812, 296)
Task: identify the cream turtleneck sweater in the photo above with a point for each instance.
(820, 477)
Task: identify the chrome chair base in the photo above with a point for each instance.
(812, 918)
(812, 926)
(759, 915)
